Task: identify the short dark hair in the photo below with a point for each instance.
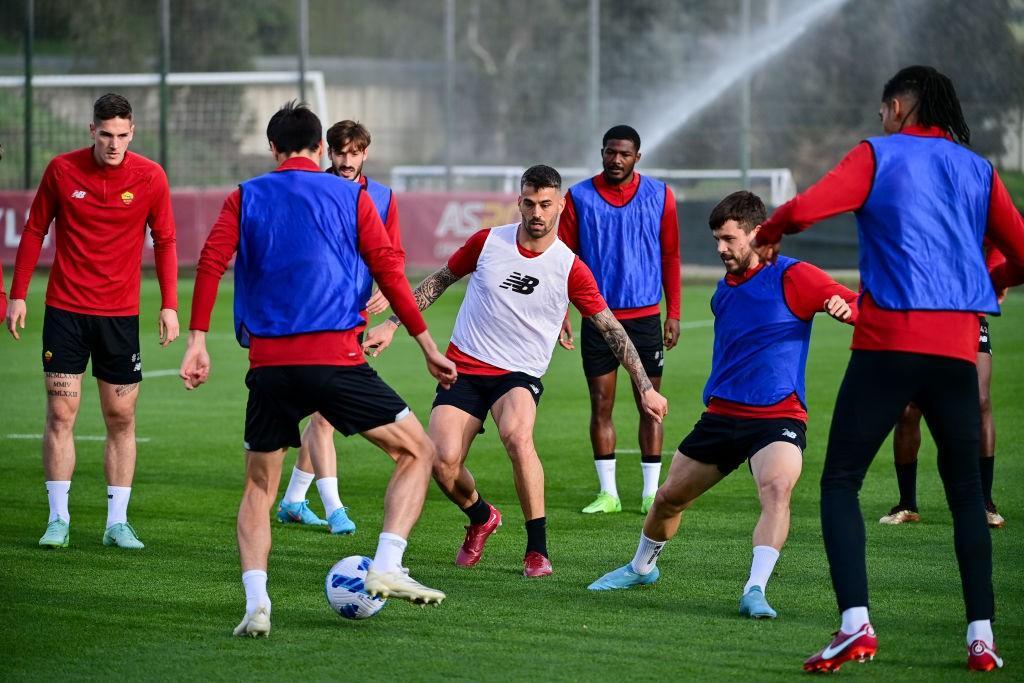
(622, 132)
(744, 207)
(539, 177)
(111, 106)
(345, 132)
(294, 128)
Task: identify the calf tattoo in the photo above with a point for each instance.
(618, 341)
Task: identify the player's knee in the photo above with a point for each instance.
(668, 502)
(518, 443)
(119, 419)
(776, 492)
(60, 417)
(446, 470)
(985, 402)
(319, 425)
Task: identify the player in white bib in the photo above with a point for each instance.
(522, 279)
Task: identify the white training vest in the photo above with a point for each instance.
(514, 305)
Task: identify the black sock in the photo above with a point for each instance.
(478, 512)
(650, 459)
(610, 456)
(987, 464)
(906, 479)
(537, 536)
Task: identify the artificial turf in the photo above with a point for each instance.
(166, 612)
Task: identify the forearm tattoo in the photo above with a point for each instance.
(430, 289)
(622, 347)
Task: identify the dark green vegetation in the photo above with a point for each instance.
(90, 612)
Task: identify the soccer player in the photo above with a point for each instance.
(522, 280)
(100, 200)
(923, 204)
(305, 357)
(755, 397)
(907, 435)
(348, 145)
(623, 225)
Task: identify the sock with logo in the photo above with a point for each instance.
(646, 555)
(328, 488)
(117, 504)
(478, 512)
(390, 548)
(605, 465)
(537, 535)
(651, 467)
(853, 619)
(298, 486)
(57, 493)
(761, 567)
(255, 583)
(980, 630)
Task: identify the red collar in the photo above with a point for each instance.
(626, 188)
(298, 164)
(925, 132)
(734, 280)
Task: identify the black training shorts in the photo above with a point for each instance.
(475, 394)
(984, 338)
(352, 398)
(728, 441)
(646, 335)
(70, 339)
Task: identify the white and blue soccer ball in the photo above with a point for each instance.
(345, 591)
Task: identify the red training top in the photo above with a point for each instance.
(315, 348)
(101, 214)
(940, 333)
(671, 275)
(3, 295)
(806, 289)
(583, 294)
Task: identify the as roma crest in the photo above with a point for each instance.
(127, 198)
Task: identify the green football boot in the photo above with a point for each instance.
(122, 535)
(646, 504)
(605, 502)
(58, 534)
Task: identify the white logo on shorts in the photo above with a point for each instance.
(789, 433)
(534, 388)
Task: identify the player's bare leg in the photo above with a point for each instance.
(988, 438)
(452, 430)
(117, 403)
(687, 480)
(262, 476)
(408, 445)
(317, 459)
(63, 398)
(776, 469)
(602, 440)
(651, 437)
(906, 443)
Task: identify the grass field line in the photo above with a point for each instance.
(697, 323)
(84, 437)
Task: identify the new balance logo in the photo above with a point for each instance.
(789, 433)
(534, 389)
(519, 283)
(78, 194)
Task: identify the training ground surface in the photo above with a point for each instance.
(91, 612)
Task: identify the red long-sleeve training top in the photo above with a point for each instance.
(100, 215)
(316, 348)
(806, 289)
(671, 277)
(845, 188)
(3, 295)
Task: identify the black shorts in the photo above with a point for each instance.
(475, 394)
(646, 335)
(352, 398)
(70, 339)
(984, 338)
(727, 441)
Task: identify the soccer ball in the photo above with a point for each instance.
(345, 592)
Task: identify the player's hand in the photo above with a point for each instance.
(565, 336)
(671, 333)
(378, 338)
(195, 366)
(168, 326)
(768, 253)
(837, 307)
(654, 404)
(442, 369)
(378, 303)
(16, 317)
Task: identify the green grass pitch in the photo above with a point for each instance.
(90, 613)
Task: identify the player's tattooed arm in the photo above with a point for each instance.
(431, 289)
(617, 340)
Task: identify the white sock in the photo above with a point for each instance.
(980, 630)
(390, 549)
(606, 476)
(853, 619)
(57, 493)
(646, 555)
(298, 486)
(761, 567)
(328, 488)
(255, 583)
(652, 473)
(117, 504)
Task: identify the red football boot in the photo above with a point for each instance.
(981, 657)
(536, 565)
(860, 645)
(476, 535)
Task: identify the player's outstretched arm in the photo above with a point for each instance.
(195, 366)
(427, 292)
(16, 312)
(615, 336)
